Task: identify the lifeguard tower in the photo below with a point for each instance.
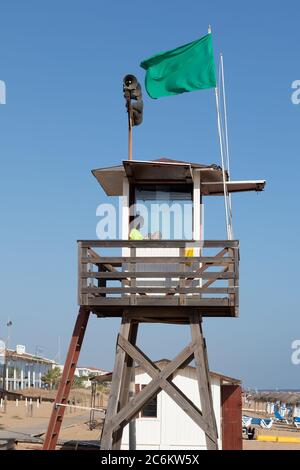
(158, 279)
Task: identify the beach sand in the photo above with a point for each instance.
(75, 427)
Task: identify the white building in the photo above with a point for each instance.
(88, 372)
(19, 369)
(163, 425)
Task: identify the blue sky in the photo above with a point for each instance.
(63, 63)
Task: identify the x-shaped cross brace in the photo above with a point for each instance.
(161, 380)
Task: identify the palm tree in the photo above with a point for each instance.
(52, 377)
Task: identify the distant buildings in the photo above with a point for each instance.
(86, 373)
(19, 369)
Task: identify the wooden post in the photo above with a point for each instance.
(202, 371)
(132, 424)
(119, 386)
(128, 376)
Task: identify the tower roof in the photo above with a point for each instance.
(159, 170)
(166, 170)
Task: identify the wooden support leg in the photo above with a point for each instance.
(66, 380)
(203, 378)
(125, 384)
(120, 385)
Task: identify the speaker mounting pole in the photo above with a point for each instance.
(132, 91)
(129, 111)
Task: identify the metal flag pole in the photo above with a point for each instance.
(225, 112)
(222, 161)
(229, 235)
(226, 138)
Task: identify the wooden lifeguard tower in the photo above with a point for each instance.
(161, 280)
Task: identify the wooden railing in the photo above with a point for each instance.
(131, 276)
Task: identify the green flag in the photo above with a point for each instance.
(187, 68)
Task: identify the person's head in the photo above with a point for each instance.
(137, 222)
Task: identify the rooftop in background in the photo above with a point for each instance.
(96, 369)
(14, 354)
(291, 398)
(141, 171)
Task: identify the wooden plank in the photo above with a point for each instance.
(80, 268)
(160, 275)
(132, 267)
(182, 280)
(205, 357)
(220, 243)
(82, 280)
(158, 243)
(159, 290)
(101, 283)
(231, 282)
(236, 269)
(170, 388)
(93, 254)
(169, 314)
(159, 302)
(125, 381)
(203, 379)
(112, 407)
(119, 261)
(202, 269)
(211, 281)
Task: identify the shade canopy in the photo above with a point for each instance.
(164, 170)
(215, 189)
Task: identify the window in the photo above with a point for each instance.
(150, 409)
(167, 210)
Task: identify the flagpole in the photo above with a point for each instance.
(228, 230)
(222, 160)
(226, 137)
(225, 112)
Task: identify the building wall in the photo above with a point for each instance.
(173, 428)
(23, 373)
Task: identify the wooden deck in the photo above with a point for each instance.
(162, 286)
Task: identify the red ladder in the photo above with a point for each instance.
(66, 380)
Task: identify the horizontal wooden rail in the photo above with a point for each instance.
(158, 243)
(157, 275)
(119, 261)
(157, 290)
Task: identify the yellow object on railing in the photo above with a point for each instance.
(189, 252)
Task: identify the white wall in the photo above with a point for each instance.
(173, 428)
